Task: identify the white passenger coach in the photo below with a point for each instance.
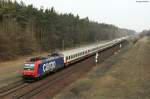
(82, 52)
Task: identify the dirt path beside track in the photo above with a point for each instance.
(127, 76)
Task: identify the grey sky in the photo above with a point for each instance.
(122, 13)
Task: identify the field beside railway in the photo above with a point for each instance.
(122, 76)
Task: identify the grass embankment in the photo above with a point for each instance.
(123, 76)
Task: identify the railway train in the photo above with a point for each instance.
(37, 67)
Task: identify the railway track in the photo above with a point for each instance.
(4, 91)
(48, 84)
(28, 90)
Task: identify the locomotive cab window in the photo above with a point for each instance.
(29, 67)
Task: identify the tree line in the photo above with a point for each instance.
(25, 29)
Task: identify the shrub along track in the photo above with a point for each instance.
(51, 85)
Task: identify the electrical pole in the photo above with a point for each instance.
(63, 43)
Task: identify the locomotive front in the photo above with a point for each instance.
(30, 68)
(29, 71)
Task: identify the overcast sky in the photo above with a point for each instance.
(122, 13)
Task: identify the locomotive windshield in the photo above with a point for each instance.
(29, 67)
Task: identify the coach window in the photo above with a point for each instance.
(67, 58)
(70, 57)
